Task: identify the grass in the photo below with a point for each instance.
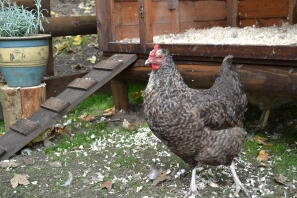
(123, 162)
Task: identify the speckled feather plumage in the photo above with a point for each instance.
(200, 126)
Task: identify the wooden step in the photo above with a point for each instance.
(25, 130)
(24, 126)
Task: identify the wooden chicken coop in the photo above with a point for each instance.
(264, 69)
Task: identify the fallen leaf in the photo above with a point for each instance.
(107, 185)
(109, 112)
(77, 40)
(137, 95)
(260, 138)
(60, 47)
(54, 14)
(87, 117)
(92, 59)
(281, 179)
(263, 156)
(130, 126)
(214, 185)
(9, 164)
(162, 177)
(19, 179)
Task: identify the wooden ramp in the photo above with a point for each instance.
(25, 130)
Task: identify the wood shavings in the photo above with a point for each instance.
(274, 35)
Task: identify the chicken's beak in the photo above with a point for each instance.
(148, 62)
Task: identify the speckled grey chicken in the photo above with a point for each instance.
(200, 126)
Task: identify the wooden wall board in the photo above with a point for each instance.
(251, 9)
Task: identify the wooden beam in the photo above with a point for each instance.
(292, 17)
(252, 54)
(145, 22)
(69, 26)
(265, 80)
(103, 13)
(232, 13)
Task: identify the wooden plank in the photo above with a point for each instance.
(252, 9)
(266, 80)
(55, 104)
(253, 53)
(24, 126)
(292, 12)
(232, 13)
(145, 22)
(103, 23)
(114, 62)
(82, 83)
(14, 141)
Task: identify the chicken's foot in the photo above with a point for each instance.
(238, 185)
(193, 188)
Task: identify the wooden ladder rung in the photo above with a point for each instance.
(114, 61)
(55, 104)
(82, 83)
(24, 126)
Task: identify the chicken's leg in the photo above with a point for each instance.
(238, 185)
(193, 188)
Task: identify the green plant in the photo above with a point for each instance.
(16, 21)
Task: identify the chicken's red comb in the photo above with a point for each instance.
(156, 47)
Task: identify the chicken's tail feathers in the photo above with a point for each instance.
(227, 62)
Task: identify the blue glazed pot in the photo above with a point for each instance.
(23, 60)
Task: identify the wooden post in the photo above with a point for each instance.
(145, 22)
(50, 70)
(103, 23)
(174, 15)
(292, 12)
(20, 103)
(119, 90)
(232, 13)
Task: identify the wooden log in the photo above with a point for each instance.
(119, 90)
(103, 23)
(265, 80)
(145, 22)
(232, 13)
(67, 26)
(292, 12)
(20, 103)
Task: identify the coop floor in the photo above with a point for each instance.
(97, 153)
(268, 36)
